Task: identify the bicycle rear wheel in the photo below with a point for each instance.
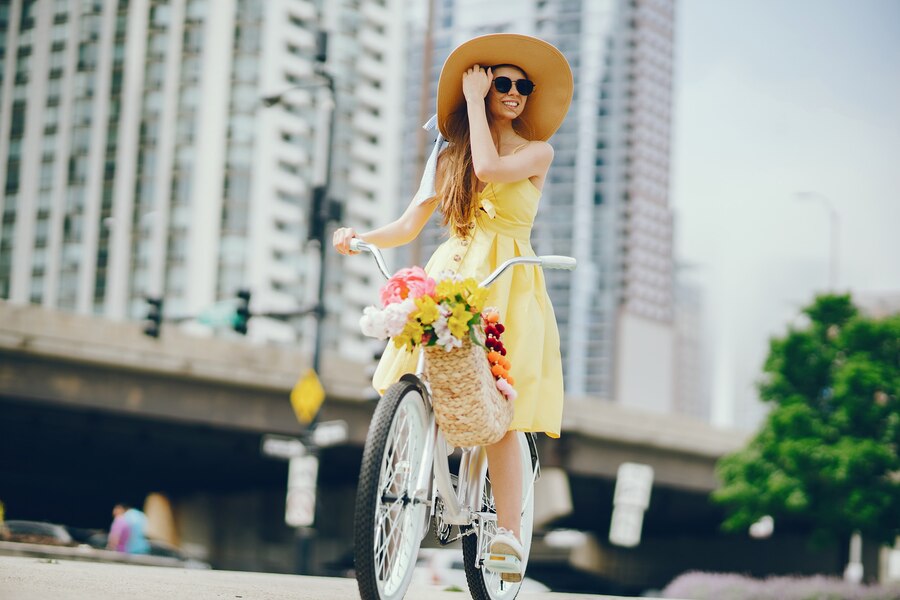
(389, 521)
(483, 584)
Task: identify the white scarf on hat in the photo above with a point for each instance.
(426, 189)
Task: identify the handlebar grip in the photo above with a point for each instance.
(558, 262)
(355, 245)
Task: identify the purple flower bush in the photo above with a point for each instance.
(729, 586)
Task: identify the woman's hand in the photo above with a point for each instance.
(477, 83)
(341, 240)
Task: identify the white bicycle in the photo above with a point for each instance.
(406, 481)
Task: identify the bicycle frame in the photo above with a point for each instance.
(459, 505)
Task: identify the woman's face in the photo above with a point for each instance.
(508, 105)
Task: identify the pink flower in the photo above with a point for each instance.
(506, 389)
(411, 282)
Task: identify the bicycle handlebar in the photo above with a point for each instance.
(546, 262)
(357, 245)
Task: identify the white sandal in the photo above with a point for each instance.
(505, 556)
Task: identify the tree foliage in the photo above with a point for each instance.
(827, 453)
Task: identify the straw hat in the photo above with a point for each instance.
(543, 64)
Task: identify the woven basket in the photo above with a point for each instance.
(467, 405)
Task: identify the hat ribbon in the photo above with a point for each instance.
(426, 189)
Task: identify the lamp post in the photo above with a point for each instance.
(834, 223)
(853, 572)
(322, 208)
(322, 211)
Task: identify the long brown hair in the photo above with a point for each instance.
(458, 186)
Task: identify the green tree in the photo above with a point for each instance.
(827, 453)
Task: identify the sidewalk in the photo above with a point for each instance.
(23, 578)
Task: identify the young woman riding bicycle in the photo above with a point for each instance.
(500, 98)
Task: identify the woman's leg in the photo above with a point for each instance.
(505, 466)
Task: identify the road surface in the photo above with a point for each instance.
(28, 578)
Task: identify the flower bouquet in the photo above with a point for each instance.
(465, 360)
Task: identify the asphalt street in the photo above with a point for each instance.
(25, 578)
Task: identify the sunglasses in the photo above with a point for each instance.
(504, 84)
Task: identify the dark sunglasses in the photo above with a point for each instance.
(504, 84)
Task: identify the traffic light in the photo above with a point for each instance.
(321, 211)
(154, 316)
(242, 313)
(316, 214)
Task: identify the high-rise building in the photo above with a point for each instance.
(606, 198)
(692, 362)
(138, 160)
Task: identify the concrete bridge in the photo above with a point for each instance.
(93, 411)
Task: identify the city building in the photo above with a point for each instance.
(693, 366)
(137, 158)
(606, 198)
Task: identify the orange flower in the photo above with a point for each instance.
(510, 379)
(492, 317)
(494, 357)
(498, 371)
(505, 362)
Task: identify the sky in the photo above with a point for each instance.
(773, 98)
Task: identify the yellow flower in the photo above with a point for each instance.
(410, 336)
(414, 331)
(401, 341)
(427, 312)
(458, 322)
(447, 288)
(475, 299)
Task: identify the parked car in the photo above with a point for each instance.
(37, 532)
(157, 548)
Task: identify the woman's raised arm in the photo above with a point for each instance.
(397, 233)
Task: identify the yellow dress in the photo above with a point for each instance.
(502, 230)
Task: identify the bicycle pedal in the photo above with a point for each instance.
(502, 563)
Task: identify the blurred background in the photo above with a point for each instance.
(171, 169)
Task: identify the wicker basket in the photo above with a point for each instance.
(467, 405)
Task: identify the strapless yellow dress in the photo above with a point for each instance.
(502, 230)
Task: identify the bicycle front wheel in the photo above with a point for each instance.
(483, 584)
(389, 520)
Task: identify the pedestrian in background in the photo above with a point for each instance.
(127, 532)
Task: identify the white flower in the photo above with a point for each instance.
(448, 274)
(445, 339)
(396, 315)
(449, 342)
(372, 323)
(440, 324)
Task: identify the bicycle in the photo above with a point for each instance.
(406, 481)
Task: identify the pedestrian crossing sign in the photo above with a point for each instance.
(307, 397)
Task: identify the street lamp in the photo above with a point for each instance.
(322, 209)
(834, 222)
(853, 572)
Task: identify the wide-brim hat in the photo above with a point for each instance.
(542, 62)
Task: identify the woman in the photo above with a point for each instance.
(489, 182)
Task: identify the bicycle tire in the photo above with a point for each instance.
(383, 498)
(484, 585)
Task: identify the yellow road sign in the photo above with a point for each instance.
(307, 397)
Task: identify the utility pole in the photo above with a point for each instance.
(323, 210)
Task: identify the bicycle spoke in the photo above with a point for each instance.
(394, 519)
